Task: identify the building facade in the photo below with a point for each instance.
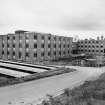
(32, 47)
(92, 46)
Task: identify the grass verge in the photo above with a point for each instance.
(90, 93)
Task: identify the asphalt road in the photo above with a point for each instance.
(33, 91)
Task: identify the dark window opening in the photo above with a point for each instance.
(2, 52)
(49, 38)
(42, 37)
(7, 45)
(42, 54)
(54, 45)
(20, 54)
(42, 45)
(48, 45)
(54, 53)
(13, 37)
(48, 53)
(27, 54)
(27, 45)
(35, 54)
(3, 45)
(35, 45)
(8, 52)
(13, 53)
(35, 36)
(14, 45)
(7, 37)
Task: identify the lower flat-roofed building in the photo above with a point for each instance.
(32, 47)
(92, 46)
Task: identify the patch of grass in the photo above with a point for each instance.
(90, 93)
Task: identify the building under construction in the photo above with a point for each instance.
(32, 47)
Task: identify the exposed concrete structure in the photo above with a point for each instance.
(92, 46)
(32, 47)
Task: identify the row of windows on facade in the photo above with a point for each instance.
(35, 45)
(35, 37)
(91, 46)
(89, 41)
(92, 50)
(35, 54)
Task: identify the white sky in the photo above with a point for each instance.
(66, 17)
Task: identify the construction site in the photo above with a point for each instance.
(33, 58)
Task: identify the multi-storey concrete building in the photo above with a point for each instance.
(32, 47)
(95, 49)
(92, 46)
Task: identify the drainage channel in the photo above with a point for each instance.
(27, 65)
(16, 69)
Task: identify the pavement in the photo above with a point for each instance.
(34, 91)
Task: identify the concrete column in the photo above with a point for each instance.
(5, 47)
(66, 47)
(46, 47)
(31, 47)
(52, 47)
(57, 47)
(22, 47)
(10, 46)
(16, 42)
(1, 46)
(62, 47)
(39, 47)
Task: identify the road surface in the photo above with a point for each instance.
(32, 91)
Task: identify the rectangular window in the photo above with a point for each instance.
(42, 45)
(59, 45)
(42, 37)
(8, 53)
(27, 45)
(49, 37)
(35, 37)
(3, 45)
(13, 53)
(20, 45)
(54, 53)
(13, 45)
(35, 55)
(20, 54)
(35, 45)
(2, 52)
(27, 54)
(48, 53)
(54, 45)
(48, 45)
(8, 38)
(13, 37)
(59, 52)
(42, 54)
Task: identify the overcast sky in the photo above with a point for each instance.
(69, 17)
